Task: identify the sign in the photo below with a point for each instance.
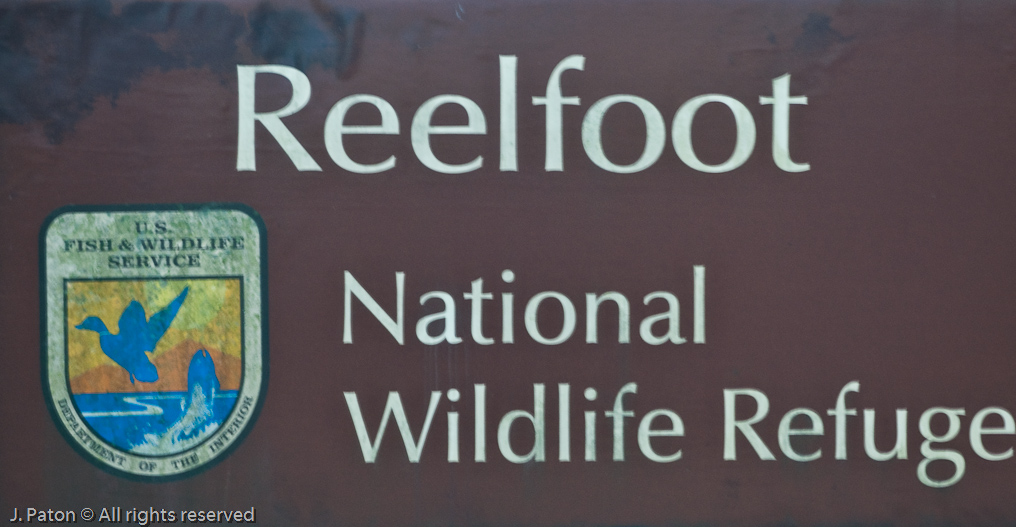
(546, 263)
(198, 272)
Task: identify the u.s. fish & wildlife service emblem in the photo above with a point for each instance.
(154, 346)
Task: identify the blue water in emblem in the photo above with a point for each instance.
(156, 423)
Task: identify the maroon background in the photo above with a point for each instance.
(890, 262)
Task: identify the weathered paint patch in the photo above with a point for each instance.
(59, 57)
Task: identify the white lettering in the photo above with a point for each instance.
(553, 101)
(335, 128)
(730, 423)
(592, 137)
(353, 288)
(781, 101)
(245, 148)
(743, 144)
(414, 447)
(538, 452)
(421, 131)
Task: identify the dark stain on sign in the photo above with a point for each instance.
(59, 57)
(818, 34)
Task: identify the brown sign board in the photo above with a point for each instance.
(508, 263)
